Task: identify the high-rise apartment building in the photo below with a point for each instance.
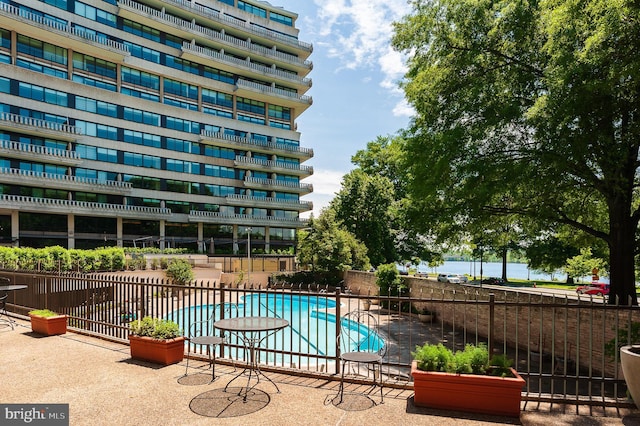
(163, 122)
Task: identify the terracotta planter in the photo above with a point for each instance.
(468, 392)
(630, 360)
(49, 326)
(160, 351)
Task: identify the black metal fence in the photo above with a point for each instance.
(565, 348)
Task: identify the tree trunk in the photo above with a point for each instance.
(622, 232)
(504, 264)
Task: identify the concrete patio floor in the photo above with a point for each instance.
(104, 386)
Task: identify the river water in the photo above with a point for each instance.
(494, 269)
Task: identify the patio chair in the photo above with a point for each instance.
(203, 333)
(360, 343)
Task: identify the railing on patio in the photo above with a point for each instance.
(565, 348)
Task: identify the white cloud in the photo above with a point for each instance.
(359, 32)
(326, 183)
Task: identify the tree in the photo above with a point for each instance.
(583, 264)
(363, 207)
(533, 102)
(324, 246)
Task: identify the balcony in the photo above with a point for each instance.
(264, 35)
(248, 144)
(84, 208)
(56, 181)
(250, 163)
(191, 31)
(273, 184)
(268, 202)
(215, 59)
(27, 151)
(274, 95)
(245, 220)
(33, 25)
(38, 127)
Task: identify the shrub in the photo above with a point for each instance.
(45, 313)
(472, 360)
(179, 270)
(155, 328)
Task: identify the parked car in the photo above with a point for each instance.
(493, 281)
(449, 278)
(598, 289)
(463, 278)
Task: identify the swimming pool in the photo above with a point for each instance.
(310, 340)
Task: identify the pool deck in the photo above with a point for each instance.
(104, 386)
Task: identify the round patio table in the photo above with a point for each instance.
(251, 331)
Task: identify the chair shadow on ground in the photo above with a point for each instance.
(220, 404)
(350, 401)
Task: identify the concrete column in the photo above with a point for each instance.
(119, 241)
(266, 239)
(15, 228)
(201, 237)
(235, 239)
(162, 234)
(71, 230)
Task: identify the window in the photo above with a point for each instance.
(140, 30)
(139, 116)
(141, 138)
(181, 89)
(94, 65)
(42, 50)
(217, 98)
(97, 107)
(143, 52)
(277, 17)
(39, 93)
(95, 83)
(95, 14)
(250, 105)
(254, 10)
(140, 78)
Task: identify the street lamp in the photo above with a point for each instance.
(249, 256)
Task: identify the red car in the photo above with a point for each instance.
(599, 289)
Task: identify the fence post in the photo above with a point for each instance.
(338, 319)
(492, 306)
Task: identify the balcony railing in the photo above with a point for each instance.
(245, 219)
(232, 60)
(258, 163)
(39, 123)
(249, 200)
(274, 183)
(68, 182)
(268, 90)
(240, 25)
(45, 151)
(21, 202)
(250, 144)
(62, 29)
(210, 34)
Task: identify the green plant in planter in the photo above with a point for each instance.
(155, 328)
(45, 313)
(472, 360)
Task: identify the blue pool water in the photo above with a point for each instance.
(311, 336)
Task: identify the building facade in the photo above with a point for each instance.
(165, 123)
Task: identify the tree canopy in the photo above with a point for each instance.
(526, 109)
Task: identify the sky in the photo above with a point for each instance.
(355, 93)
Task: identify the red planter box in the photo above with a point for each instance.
(165, 352)
(468, 392)
(49, 326)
